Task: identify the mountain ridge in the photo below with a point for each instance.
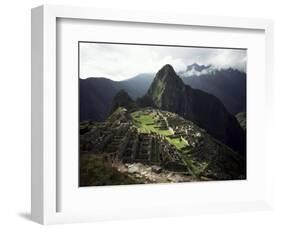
(96, 94)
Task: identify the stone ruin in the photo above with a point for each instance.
(125, 144)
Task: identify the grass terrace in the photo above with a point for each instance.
(177, 142)
(148, 123)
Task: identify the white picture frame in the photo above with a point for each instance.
(44, 112)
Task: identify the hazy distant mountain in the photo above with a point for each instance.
(138, 85)
(229, 85)
(168, 92)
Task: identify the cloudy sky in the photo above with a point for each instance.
(119, 62)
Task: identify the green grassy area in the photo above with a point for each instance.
(177, 142)
(148, 124)
(196, 169)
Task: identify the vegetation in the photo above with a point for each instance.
(178, 142)
(147, 123)
(96, 170)
(195, 168)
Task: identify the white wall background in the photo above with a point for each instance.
(15, 113)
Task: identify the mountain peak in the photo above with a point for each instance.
(166, 70)
(167, 74)
(123, 93)
(122, 99)
(168, 67)
(166, 82)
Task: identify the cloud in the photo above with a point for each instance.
(119, 62)
(193, 72)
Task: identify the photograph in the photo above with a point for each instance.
(157, 113)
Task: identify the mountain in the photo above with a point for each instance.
(122, 99)
(96, 94)
(168, 92)
(229, 85)
(241, 118)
